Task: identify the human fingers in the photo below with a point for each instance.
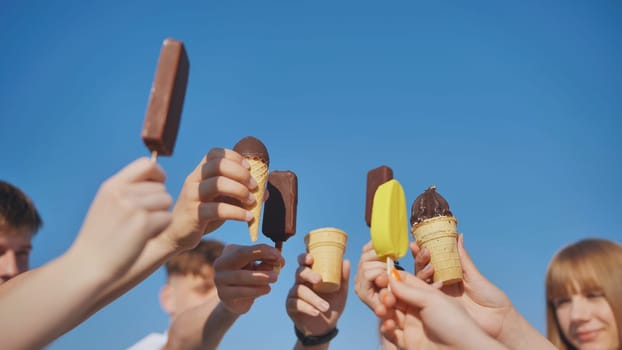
(217, 188)
(391, 333)
(303, 298)
(410, 289)
(345, 273)
(421, 255)
(305, 259)
(468, 267)
(222, 167)
(229, 293)
(244, 277)
(142, 169)
(154, 201)
(305, 275)
(237, 257)
(367, 247)
(226, 162)
(145, 187)
(214, 211)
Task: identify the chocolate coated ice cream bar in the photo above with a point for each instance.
(166, 99)
(375, 178)
(279, 215)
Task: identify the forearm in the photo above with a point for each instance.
(47, 302)
(217, 325)
(518, 334)
(202, 327)
(156, 252)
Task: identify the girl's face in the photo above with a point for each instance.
(587, 321)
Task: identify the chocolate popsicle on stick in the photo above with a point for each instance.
(256, 153)
(279, 213)
(375, 178)
(166, 99)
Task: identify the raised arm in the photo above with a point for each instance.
(129, 209)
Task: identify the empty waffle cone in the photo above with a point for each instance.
(327, 245)
(259, 171)
(439, 235)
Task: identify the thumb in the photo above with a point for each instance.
(468, 267)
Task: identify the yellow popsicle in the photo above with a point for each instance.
(389, 225)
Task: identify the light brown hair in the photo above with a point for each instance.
(17, 210)
(589, 265)
(192, 261)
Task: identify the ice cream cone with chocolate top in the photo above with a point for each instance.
(256, 153)
(435, 228)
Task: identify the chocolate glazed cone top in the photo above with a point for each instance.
(429, 204)
(256, 153)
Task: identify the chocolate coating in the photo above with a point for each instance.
(429, 204)
(279, 212)
(166, 99)
(375, 178)
(253, 148)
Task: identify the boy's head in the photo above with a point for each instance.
(19, 221)
(190, 277)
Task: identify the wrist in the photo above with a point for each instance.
(308, 340)
(517, 333)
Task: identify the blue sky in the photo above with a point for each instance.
(512, 109)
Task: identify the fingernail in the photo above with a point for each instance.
(427, 268)
(252, 183)
(324, 306)
(249, 216)
(250, 199)
(246, 164)
(396, 274)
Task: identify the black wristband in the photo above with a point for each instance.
(310, 340)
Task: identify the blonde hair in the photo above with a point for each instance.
(589, 265)
(192, 261)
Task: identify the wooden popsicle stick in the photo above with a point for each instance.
(154, 156)
(278, 245)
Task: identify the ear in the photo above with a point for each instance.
(167, 301)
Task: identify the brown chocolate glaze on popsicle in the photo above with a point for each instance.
(429, 204)
(375, 178)
(279, 213)
(253, 148)
(166, 100)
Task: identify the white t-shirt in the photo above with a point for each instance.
(153, 341)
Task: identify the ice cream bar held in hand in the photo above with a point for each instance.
(435, 228)
(279, 212)
(256, 153)
(389, 225)
(166, 99)
(375, 178)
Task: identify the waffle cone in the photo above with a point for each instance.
(259, 171)
(327, 245)
(439, 235)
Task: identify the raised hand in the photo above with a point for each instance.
(370, 278)
(315, 313)
(130, 208)
(431, 320)
(244, 273)
(491, 309)
(218, 189)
